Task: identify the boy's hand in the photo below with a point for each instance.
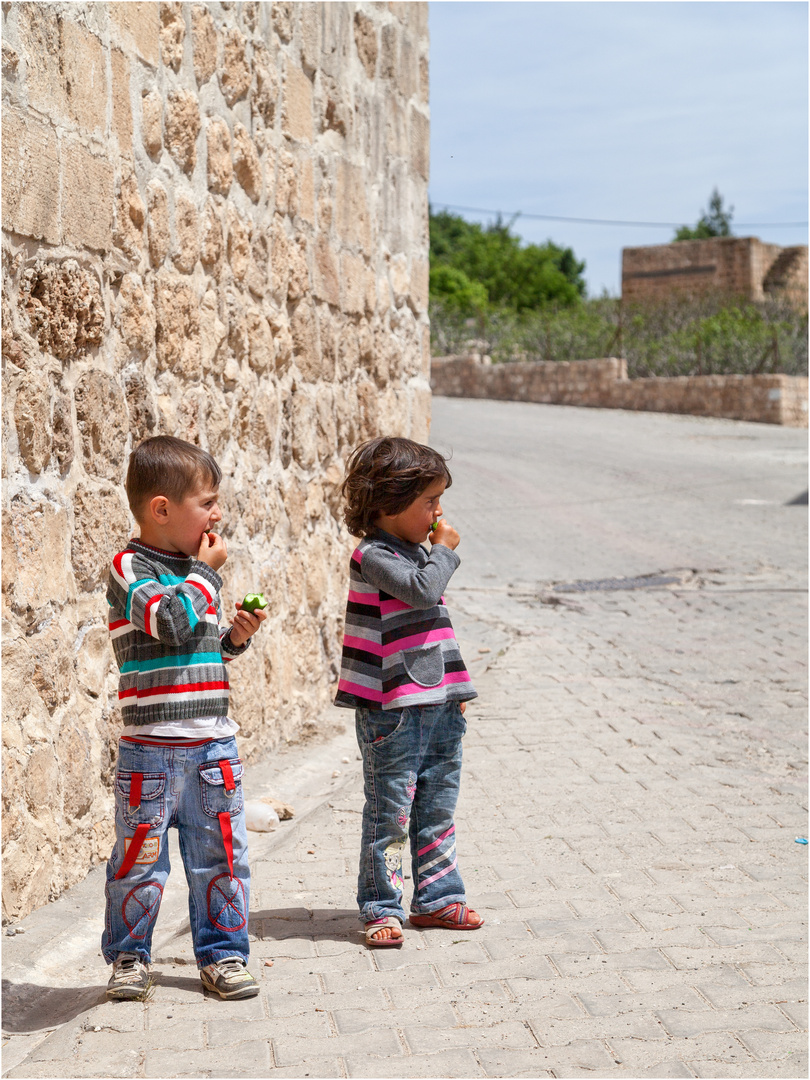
(245, 624)
(445, 534)
(213, 551)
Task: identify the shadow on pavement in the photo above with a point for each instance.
(320, 924)
(27, 1007)
(800, 500)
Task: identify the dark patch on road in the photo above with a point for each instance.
(648, 581)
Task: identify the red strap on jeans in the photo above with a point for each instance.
(227, 775)
(135, 785)
(135, 845)
(227, 838)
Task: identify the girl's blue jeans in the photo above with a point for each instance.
(198, 791)
(411, 771)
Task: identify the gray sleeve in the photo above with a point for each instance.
(420, 587)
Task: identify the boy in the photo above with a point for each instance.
(177, 759)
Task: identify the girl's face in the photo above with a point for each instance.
(414, 522)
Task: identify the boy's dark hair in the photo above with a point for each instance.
(384, 476)
(167, 466)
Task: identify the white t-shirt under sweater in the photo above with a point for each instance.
(197, 727)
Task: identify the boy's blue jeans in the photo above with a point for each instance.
(411, 770)
(198, 790)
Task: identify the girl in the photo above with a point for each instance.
(403, 675)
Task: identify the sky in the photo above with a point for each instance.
(630, 111)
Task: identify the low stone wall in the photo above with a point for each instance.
(768, 399)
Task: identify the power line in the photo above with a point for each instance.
(606, 221)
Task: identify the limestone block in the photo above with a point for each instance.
(135, 316)
(365, 37)
(102, 423)
(211, 240)
(172, 33)
(305, 343)
(41, 781)
(264, 97)
(296, 576)
(238, 244)
(53, 676)
(326, 284)
(283, 341)
(212, 330)
(158, 227)
(142, 415)
(32, 409)
(204, 43)
(11, 62)
(246, 162)
(306, 189)
(348, 353)
(420, 143)
(310, 36)
(152, 121)
(297, 119)
(101, 528)
(121, 104)
(408, 79)
(218, 421)
(39, 32)
(352, 216)
(36, 545)
(83, 66)
(63, 443)
(63, 306)
(30, 177)
(249, 14)
(389, 42)
(286, 188)
(234, 75)
(186, 232)
(327, 424)
(369, 407)
(256, 279)
(399, 277)
(424, 80)
(353, 282)
(237, 337)
(130, 216)
(220, 166)
(283, 19)
(88, 192)
(182, 125)
(298, 284)
(293, 496)
(178, 326)
(140, 21)
(72, 753)
(265, 419)
(335, 110)
(261, 350)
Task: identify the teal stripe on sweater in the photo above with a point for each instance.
(193, 617)
(190, 660)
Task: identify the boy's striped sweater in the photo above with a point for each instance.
(399, 648)
(164, 625)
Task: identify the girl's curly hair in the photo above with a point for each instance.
(384, 476)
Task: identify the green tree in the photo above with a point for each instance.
(513, 276)
(715, 221)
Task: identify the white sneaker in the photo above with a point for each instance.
(131, 977)
(229, 978)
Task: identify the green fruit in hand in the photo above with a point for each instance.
(434, 526)
(254, 602)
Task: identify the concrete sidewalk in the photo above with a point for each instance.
(634, 782)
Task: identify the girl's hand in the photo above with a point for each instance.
(444, 534)
(463, 707)
(245, 624)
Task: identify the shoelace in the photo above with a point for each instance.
(231, 966)
(127, 968)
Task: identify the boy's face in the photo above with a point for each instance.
(186, 521)
(414, 522)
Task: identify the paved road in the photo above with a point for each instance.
(634, 783)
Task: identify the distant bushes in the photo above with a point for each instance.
(681, 336)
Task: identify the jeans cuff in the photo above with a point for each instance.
(437, 905)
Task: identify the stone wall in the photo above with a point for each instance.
(735, 266)
(770, 399)
(215, 226)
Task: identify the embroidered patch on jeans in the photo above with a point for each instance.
(402, 817)
(140, 908)
(150, 849)
(226, 903)
(410, 787)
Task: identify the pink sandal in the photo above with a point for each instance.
(453, 917)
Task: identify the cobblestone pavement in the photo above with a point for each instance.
(634, 781)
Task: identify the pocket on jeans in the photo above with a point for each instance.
(425, 666)
(151, 803)
(217, 796)
(379, 725)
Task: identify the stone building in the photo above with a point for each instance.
(215, 225)
(736, 266)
